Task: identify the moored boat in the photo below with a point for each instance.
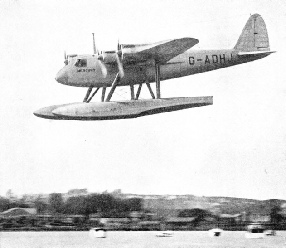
(165, 234)
(97, 232)
(255, 231)
(215, 232)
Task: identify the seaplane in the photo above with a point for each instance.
(135, 65)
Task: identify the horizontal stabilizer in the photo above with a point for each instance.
(255, 53)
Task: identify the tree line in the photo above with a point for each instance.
(103, 204)
(6, 204)
(106, 205)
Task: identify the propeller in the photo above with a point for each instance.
(95, 51)
(102, 67)
(119, 60)
(118, 56)
(120, 66)
(66, 58)
(101, 64)
(118, 46)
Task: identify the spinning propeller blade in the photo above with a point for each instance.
(101, 64)
(95, 51)
(66, 58)
(103, 68)
(118, 46)
(118, 60)
(120, 66)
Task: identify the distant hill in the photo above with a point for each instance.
(219, 205)
(171, 205)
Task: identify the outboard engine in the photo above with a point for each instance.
(108, 57)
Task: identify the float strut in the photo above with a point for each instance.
(138, 91)
(157, 80)
(87, 94)
(114, 84)
(89, 99)
(150, 90)
(132, 91)
(103, 94)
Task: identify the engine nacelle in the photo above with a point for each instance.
(108, 57)
(128, 57)
(126, 54)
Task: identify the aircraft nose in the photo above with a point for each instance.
(62, 76)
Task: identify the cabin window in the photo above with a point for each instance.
(81, 63)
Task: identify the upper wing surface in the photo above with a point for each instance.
(161, 52)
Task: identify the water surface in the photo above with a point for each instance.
(121, 239)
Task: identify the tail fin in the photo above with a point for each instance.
(254, 36)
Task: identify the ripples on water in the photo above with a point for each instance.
(181, 239)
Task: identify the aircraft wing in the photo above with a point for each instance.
(161, 52)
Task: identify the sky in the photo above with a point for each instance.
(236, 147)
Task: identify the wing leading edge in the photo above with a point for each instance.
(161, 52)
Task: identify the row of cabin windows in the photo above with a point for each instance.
(81, 63)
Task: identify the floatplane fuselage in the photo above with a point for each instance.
(188, 63)
(135, 65)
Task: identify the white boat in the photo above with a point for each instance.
(270, 232)
(165, 234)
(97, 232)
(255, 231)
(216, 232)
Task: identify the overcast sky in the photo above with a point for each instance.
(236, 147)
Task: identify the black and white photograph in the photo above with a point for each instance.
(145, 123)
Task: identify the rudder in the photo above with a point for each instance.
(254, 36)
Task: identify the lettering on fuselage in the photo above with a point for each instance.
(210, 59)
(86, 70)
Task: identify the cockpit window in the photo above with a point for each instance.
(81, 63)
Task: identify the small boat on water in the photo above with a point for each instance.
(97, 232)
(270, 232)
(165, 234)
(255, 231)
(215, 232)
